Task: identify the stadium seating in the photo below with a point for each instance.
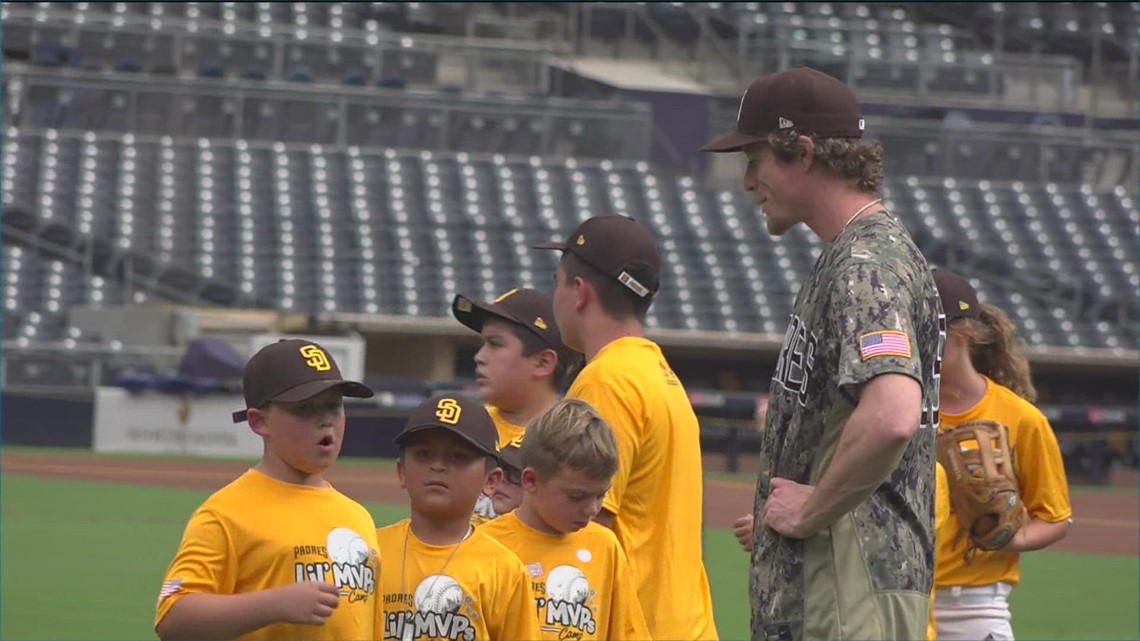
(400, 232)
(323, 41)
(1065, 28)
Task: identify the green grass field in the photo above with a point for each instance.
(84, 560)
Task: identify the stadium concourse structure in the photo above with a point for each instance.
(229, 169)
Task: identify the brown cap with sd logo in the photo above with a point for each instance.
(289, 371)
(455, 413)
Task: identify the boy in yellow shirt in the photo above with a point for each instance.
(445, 578)
(605, 284)
(278, 553)
(583, 587)
(520, 370)
(523, 366)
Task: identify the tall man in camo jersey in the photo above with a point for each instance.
(844, 543)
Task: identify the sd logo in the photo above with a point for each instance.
(316, 358)
(448, 411)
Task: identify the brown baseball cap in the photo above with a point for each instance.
(801, 99)
(959, 299)
(511, 454)
(530, 308)
(289, 371)
(455, 413)
(619, 247)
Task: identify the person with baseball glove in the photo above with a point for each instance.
(1004, 478)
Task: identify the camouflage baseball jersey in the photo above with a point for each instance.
(868, 307)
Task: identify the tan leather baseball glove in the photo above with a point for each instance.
(983, 485)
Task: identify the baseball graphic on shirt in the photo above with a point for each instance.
(568, 584)
(438, 594)
(346, 546)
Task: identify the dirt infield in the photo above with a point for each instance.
(1104, 522)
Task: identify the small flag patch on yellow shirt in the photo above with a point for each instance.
(884, 343)
(169, 586)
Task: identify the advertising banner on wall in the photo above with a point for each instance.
(152, 422)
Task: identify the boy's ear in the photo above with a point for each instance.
(529, 479)
(545, 362)
(491, 483)
(583, 292)
(400, 473)
(257, 423)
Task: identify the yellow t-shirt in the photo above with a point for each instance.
(476, 591)
(508, 431)
(941, 515)
(259, 533)
(582, 586)
(1041, 479)
(657, 493)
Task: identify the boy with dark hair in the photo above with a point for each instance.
(278, 553)
(523, 366)
(447, 579)
(605, 283)
(521, 370)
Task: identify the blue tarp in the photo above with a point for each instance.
(209, 365)
(211, 358)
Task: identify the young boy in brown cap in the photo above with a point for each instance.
(520, 370)
(523, 366)
(278, 553)
(445, 578)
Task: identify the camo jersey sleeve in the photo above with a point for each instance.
(873, 321)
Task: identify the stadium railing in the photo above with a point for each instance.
(156, 105)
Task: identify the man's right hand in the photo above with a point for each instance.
(308, 602)
(742, 528)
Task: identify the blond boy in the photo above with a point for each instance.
(582, 583)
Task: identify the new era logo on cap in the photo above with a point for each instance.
(785, 123)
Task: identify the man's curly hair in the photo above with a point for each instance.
(852, 158)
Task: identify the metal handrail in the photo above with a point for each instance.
(628, 122)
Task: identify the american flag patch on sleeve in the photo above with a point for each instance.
(169, 586)
(885, 343)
